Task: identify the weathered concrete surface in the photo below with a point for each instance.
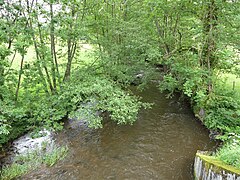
(208, 168)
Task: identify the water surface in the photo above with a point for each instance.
(160, 145)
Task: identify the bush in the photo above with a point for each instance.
(99, 94)
(222, 110)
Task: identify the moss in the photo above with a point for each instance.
(218, 165)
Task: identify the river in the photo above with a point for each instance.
(160, 145)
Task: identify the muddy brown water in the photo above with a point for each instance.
(160, 145)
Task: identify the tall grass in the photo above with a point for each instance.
(229, 154)
(232, 83)
(25, 163)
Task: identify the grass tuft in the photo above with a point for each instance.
(25, 163)
(230, 154)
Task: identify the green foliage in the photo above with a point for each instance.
(15, 170)
(229, 153)
(4, 127)
(222, 110)
(55, 154)
(10, 126)
(194, 41)
(92, 94)
(98, 94)
(192, 81)
(169, 83)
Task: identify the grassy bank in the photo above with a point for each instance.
(229, 152)
(25, 163)
(85, 57)
(218, 164)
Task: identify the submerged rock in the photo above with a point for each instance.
(138, 78)
(28, 143)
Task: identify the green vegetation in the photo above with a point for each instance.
(33, 160)
(233, 82)
(229, 153)
(218, 164)
(49, 70)
(194, 43)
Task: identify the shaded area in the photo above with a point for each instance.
(161, 145)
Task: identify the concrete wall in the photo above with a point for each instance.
(208, 168)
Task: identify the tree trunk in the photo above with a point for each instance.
(72, 45)
(71, 51)
(209, 49)
(19, 78)
(36, 47)
(42, 57)
(53, 50)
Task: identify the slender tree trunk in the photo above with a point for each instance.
(35, 46)
(53, 50)
(209, 49)
(162, 41)
(38, 64)
(71, 51)
(42, 57)
(68, 68)
(14, 55)
(72, 45)
(1, 79)
(19, 78)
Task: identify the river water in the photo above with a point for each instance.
(160, 145)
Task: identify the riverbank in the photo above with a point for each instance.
(155, 94)
(222, 117)
(29, 152)
(32, 160)
(151, 148)
(214, 100)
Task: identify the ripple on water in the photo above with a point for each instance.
(160, 145)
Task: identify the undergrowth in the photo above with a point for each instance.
(229, 153)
